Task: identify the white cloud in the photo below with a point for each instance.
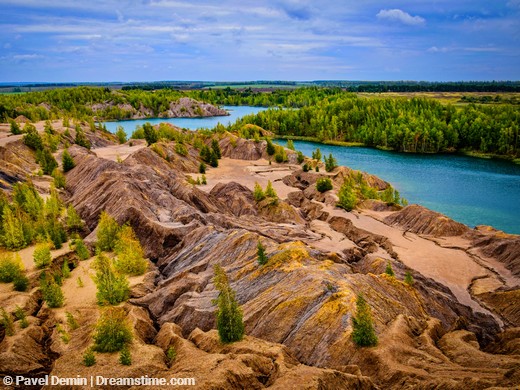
(397, 15)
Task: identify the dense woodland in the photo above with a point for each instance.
(420, 125)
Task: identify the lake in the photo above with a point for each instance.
(188, 123)
(470, 190)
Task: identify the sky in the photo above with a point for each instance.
(234, 40)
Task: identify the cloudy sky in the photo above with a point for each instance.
(145, 40)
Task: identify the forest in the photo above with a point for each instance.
(418, 125)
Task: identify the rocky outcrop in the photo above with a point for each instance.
(418, 219)
(236, 197)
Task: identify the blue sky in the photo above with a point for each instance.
(146, 40)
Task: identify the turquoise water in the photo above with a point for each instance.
(188, 123)
(470, 190)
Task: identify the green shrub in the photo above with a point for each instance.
(74, 221)
(65, 270)
(79, 282)
(269, 191)
(125, 358)
(121, 134)
(389, 270)
(112, 332)
(300, 157)
(51, 292)
(11, 267)
(258, 193)
(46, 160)
(316, 155)
(347, 197)
(89, 359)
(81, 249)
(330, 163)
(31, 137)
(216, 148)
(13, 235)
(20, 315)
(107, 232)
(67, 161)
(6, 321)
(112, 287)
(280, 155)
(71, 321)
(171, 354)
(363, 333)
(181, 149)
(59, 178)
(306, 167)
(262, 257)
(81, 139)
(290, 144)
(15, 127)
(20, 282)
(408, 279)
(229, 315)
(323, 184)
(270, 147)
(130, 255)
(203, 180)
(42, 256)
(150, 134)
(202, 168)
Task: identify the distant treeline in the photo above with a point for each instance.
(411, 125)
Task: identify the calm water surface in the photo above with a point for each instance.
(188, 123)
(470, 190)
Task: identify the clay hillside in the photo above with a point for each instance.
(443, 298)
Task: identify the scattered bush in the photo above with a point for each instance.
(258, 193)
(270, 147)
(13, 234)
(150, 134)
(67, 161)
(79, 282)
(171, 354)
(42, 256)
(65, 270)
(316, 155)
(112, 332)
(81, 249)
(389, 270)
(323, 184)
(59, 178)
(107, 232)
(306, 167)
(130, 255)
(46, 160)
(89, 359)
(6, 321)
(20, 315)
(229, 315)
(347, 197)
(300, 157)
(125, 358)
(15, 127)
(202, 168)
(81, 139)
(51, 292)
(216, 148)
(281, 155)
(181, 149)
(31, 137)
(74, 221)
(11, 267)
(290, 144)
(269, 191)
(408, 279)
(363, 333)
(262, 257)
(71, 321)
(20, 282)
(112, 287)
(121, 134)
(330, 163)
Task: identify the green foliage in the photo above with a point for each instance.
(216, 148)
(171, 354)
(258, 193)
(89, 358)
(306, 167)
(323, 184)
(121, 134)
(20, 282)
(112, 332)
(125, 358)
(150, 134)
(229, 315)
(181, 149)
(213, 161)
(270, 147)
(203, 180)
(300, 157)
(79, 282)
(107, 232)
(31, 137)
(81, 139)
(202, 168)
(363, 333)
(74, 221)
(59, 178)
(330, 163)
(317, 168)
(290, 144)
(13, 236)
(51, 291)
(20, 315)
(65, 270)
(14, 127)
(408, 279)
(130, 255)
(347, 196)
(42, 255)
(11, 267)
(389, 270)
(67, 161)
(46, 160)
(262, 257)
(269, 191)
(6, 321)
(316, 155)
(112, 287)
(280, 155)
(81, 249)
(71, 321)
